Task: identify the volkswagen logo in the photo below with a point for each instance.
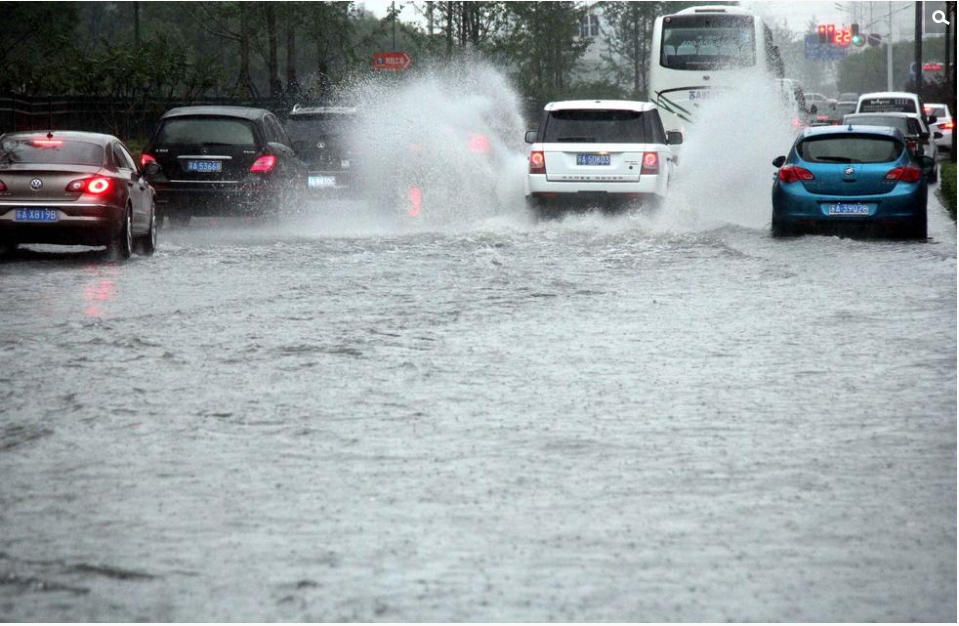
(320, 145)
(849, 171)
(36, 184)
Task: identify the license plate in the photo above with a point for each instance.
(318, 182)
(592, 159)
(847, 209)
(36, 215)
(204, 166)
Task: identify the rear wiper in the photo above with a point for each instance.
(835, 159)
(577, 139)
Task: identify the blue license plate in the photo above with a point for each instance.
(843, 208)
(204, 166)
(592, 159)
(36, 215)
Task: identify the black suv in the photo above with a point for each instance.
(321, 138)
(220, 160)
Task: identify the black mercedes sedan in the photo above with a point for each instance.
(220, 160)
(74, 188)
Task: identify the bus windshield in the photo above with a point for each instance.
(708, 42)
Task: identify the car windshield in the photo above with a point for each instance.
(53, 151)
(902, 123)
(224, 131)
(701, 42)
(888, 105)
(849, 149)
(595, 126)
(315, 125)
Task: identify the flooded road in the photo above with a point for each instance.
(603, 418)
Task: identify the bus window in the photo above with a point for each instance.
(705, 42)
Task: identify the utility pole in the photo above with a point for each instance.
(889, 85)
(918, 48)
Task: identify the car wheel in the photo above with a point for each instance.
(917, 229)
(146, 244)
(934, 174)
(780, 229)
(7, 250)
(121, 246)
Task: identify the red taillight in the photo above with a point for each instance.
(47, 143)
(912, 146)
(793, 173)
(146, 158)
(906, 174)
(263, 164)
(479, 144)
(797, 122)
(96, 185)
(537, 162)
(650, 163)
(2, 186)
(947, 125)
(415, 196)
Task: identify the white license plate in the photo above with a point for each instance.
(36, 215)
(847, 209)
(319, 182)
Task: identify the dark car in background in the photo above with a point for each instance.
(321, 139)
(220, 160)
(74, 188)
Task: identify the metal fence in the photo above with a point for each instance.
(125, 118)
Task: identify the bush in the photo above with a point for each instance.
(947, 186)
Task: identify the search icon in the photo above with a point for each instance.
(939, 17)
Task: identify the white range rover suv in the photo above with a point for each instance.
(599, 152)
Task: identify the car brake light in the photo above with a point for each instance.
(263, 164)
(906, 174)
(797, 122)
(2, 186)
(650, 163)
(415, 196)
(793, 173)
(947, 125)
(912, 146)
(146, 158)
(537, 162)
(47, 143)
(97, 185)
(479, 144)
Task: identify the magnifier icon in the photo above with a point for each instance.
(939, 17)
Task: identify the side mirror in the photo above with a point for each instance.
(937, 135)
(778, 161)
(674, 138)
(151, 169)
(531, 136)
(931, 119)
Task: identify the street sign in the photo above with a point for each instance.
(816, 51)
(391, 61)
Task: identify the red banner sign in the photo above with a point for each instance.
(391, 61)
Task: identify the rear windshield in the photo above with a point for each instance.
(316, 125)
(206, 131)
(55, 151)
(849, 149)
(602, 126)
(937, 111)
(887, 105)
(704, 42)
(906, 125)
(844, 108)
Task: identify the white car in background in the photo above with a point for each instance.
(599, 152)
(944, 124)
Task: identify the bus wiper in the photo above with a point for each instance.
(576, 139)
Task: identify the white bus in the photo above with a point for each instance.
(704, 49)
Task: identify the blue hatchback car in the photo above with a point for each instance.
(850, 176)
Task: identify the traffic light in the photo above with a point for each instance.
(855, 37)
(823, 37)
(831, 33)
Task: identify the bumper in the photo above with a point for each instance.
(792, 204)
(86, 224)
(215, 199)
(647, 185)
(330, 181)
